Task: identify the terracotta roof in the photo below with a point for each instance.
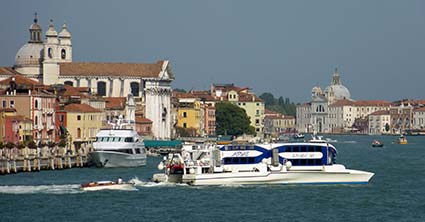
(380, 112)
(7, 110)
(111, 69)
(182, 95)
(143, 120)
(115, 102)
(75, 91)
(82, 108)
(372, 103)
(343, 102)
(422, 109)
(8, 71)
(20, 80)
(247, 97)
(289, 117)
(19, 118)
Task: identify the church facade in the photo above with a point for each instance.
(50, 62)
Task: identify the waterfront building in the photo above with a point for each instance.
(4, 113)
(189, 114)
(120, 106)
(143, 124)
(31, 100)
(50, 62)
(379, 122)
(333, 111)
(314, 115)
(82, 123)
(245, 99)
(18, 128)
(276, 124)
(419, 118)
(401, 113)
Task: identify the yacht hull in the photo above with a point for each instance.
(117, 159)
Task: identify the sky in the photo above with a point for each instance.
(282, 47)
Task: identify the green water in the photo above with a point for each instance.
(395, 193)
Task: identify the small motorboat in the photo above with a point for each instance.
(377, 143)
(106, 185)
(402, 140)
(298, 136)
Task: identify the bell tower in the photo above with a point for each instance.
(51, 56)
(65, 46)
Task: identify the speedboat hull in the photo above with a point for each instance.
(117, 159)
(106, 185)
(326, 176)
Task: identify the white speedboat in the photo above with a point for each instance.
(106, 185)
(118, 147)
(276, 163)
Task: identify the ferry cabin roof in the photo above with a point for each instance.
(300, 154)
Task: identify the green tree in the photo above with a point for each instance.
(268, 99)
(232, 120)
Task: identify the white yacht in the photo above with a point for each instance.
(276, 163)
(118, 147)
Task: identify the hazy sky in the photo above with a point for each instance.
(282, 47)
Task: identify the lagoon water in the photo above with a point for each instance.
(395, 193)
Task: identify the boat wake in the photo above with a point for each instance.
(140, 183)
(44, 189)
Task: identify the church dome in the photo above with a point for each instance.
(338, 91)
(29, 54)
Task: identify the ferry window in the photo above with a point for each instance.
(251, 160)
(303, 162)
(128, 139)
(226, 160)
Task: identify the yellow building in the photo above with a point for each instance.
(189, 114)
(82, 122)
(253, 106)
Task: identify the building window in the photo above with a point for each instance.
(63, 54)
(69, 83)
(78, 117)
(12, 104)
(4, 103)
(78, 132)
(101, 88)
(134, 88)
(184, 125)
(184, 115)
(50, 52)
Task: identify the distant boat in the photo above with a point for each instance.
(298, 136)
(402, 140)
(377, 143)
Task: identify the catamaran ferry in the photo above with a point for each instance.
(275, 163)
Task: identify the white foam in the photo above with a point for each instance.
(48, 189)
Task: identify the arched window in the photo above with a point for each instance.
(63, 54)
(69, 83)
(36, 104)
(134, 88)
(36, 120)
(101, 88)
(50, 52)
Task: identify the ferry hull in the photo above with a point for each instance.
(277, 177)
(115, 159)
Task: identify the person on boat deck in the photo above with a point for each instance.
(119, 181)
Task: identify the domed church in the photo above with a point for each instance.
(49, 61)
(314, 115)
